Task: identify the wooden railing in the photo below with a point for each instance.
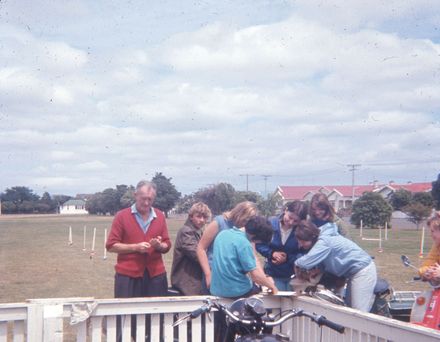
(49, 320)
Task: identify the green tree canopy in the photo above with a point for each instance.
(424, 198)
(400, 198)
(218, 198)
(372, 209)
(435, 192)
(417, 212)
(167, 195)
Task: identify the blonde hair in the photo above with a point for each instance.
(200, 208)
(241, 213)
(434, 221)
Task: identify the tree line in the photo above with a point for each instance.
(371, 207)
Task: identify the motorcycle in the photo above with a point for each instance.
(249, 321)
(426, 307)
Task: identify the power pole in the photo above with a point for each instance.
(265, 183)
(247, 180)
(353, 168)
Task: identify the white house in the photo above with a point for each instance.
(73, 207)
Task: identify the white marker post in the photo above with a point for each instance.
(105, 242)
(422, 243)
(84, 238)
(361, 229)
(386, 231)
(380, 239)
(92, 252)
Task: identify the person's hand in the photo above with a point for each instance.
(142, 247)
(156, 243)
(279, 258)
(432, 273)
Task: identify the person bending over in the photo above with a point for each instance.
(330, 252)
(234, 267)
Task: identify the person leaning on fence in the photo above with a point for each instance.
(234, 267)
(139, 235)
(238, 217)
(322, 212)
(186, 273)
(282, 251)
(330, 252)
(430, 269)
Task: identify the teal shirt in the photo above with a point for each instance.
(233, 258)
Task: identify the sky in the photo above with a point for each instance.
(255, 93)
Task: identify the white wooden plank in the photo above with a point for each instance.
(18, 331)
(183, 331)
(96, 328)
(81, 328)
(126, 328)
(155, 328)
(196, 330)
(168, 328)
(209, 327)
(111, 328)
(140, 328)
(3, 331)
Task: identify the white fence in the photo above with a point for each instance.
(48, 320)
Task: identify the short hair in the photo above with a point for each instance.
(307, 231)
(321, 201)
(242, 212)
(297, 207)
(260, 229)
(434, 221)
(200, 208)
(146, 183)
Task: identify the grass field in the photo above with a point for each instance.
(37, 262)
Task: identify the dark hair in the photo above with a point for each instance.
(307, 231)
(321, 201)
(260, 229)
(297, 207)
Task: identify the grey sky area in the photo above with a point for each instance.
(99, 93)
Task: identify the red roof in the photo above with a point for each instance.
(298, 192)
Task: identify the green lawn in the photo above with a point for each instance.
(37, 262)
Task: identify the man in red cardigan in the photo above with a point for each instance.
(139, 235)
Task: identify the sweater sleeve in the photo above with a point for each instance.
(264, 249)
(116, 232)
(316, 255)
(431, 259)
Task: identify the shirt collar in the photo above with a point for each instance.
(135, 211)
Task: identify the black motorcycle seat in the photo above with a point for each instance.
(381, 287)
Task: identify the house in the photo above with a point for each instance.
(73, 207)
(342, 196)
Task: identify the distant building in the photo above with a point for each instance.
(73, 207)
(341, 196)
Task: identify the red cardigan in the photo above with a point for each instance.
(125, 229)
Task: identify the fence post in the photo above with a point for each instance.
(45, 321)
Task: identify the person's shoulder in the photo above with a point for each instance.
(159, 213)
(123, 212)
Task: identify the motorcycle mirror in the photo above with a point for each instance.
(405, 260)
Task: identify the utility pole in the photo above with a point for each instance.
(265, 183)
(353, 168)
(247, 180)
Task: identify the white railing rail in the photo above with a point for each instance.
(48, 320)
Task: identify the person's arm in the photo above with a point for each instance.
(125, 248)
(431, 259)
(315, 256)
(208, 237)
(259, 277)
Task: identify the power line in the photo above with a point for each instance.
(353, 168)
(247, 179)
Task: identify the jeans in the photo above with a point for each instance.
(360, 289)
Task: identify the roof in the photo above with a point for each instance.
(298, 192)
(75, 202)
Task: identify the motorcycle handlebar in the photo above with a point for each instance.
(319, 319)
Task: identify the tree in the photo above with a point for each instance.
(424, 198)
(241, 196)
(435, 192)
(372, 209)
(400, 199)
(127, 198)
(417, 213)
(269, 206)
(167, 195)
(218, 198)
(184, 204)
(19, 194)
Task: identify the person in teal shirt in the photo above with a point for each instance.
(234, 259)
